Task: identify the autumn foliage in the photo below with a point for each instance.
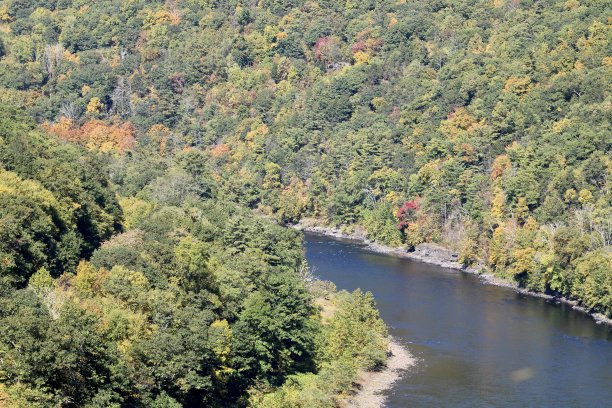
(95, 134)
(406, 214)
(327, 49)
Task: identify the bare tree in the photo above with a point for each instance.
(122, 97)
(307, 274)
(52, 57)
(71, 111)
(604, 229)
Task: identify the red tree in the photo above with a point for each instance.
(327, 50)
(407, 214)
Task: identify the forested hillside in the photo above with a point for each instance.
(163, 296)
(483, 125)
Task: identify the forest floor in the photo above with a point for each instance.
(441, 256)
(371, 384)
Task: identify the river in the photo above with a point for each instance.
(477, 345)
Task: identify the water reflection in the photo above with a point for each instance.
(523, 374)
(478, 345)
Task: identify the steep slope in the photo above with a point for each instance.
(481, 125)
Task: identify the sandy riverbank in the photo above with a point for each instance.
(438, 255)
(371, 385)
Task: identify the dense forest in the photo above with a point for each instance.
(137, 137)
(161, 297)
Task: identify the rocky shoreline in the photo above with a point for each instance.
(443, 257)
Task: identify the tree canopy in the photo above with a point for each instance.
(141, 135)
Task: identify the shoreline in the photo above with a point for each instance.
(437, 255)
(371, 384)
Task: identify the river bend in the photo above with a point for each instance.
(477, 345)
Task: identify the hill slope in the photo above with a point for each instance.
(482, 125)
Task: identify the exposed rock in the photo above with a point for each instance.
(438, 255)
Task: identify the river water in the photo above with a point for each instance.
(477, 345)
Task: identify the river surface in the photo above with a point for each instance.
(477, 345)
